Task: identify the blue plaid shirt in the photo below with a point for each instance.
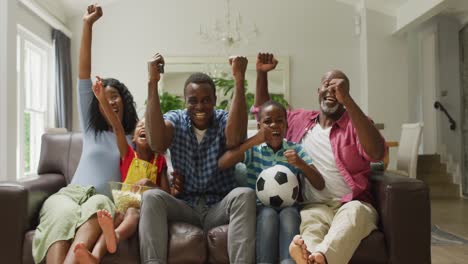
(199, 162)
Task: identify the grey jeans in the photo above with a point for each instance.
(237, 208)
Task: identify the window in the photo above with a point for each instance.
(35, 98)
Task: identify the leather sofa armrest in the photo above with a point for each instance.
(13, 205)
(20, 205)
(39, 189)
(403, 205)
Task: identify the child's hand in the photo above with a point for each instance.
(98, 90)
(177, 183)
(146, 182)
(263, 135)
(293, 158)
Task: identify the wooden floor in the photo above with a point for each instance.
(450, 215)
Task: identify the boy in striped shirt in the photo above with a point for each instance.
(275, 227)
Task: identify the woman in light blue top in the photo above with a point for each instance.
(68, 227)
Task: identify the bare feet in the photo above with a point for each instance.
(317, 258)
(83, 256)
(107, 225)
(298, 250)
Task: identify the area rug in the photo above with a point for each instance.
(441, 237)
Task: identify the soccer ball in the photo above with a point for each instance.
(277, 187)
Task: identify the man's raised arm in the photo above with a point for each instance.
(236, 127)
(159, 132)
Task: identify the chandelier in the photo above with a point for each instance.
(228, 33)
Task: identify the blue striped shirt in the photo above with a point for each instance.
(198, 163)
(262, 157)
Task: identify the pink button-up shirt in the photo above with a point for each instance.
(351, 159)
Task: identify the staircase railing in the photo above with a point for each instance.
(439, 106)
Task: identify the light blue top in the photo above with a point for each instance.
(100, 158)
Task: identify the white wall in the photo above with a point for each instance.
(414, 99)
(317, 35)
(387, 77)
(7, 89)
(3, 87)
(33, 23)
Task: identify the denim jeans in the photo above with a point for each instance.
(275, 231)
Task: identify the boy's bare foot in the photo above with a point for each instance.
(317, 258)
(298, 250)
(83, 256)
(107, 225)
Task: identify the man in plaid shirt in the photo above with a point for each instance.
(197, 136)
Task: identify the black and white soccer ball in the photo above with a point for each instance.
(277, 187)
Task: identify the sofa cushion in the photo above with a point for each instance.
(187, 244)
(128, 251)
(372, 250)
(60, 153)
(217, 245)
(27, 247)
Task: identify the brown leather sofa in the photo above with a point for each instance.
(402, 203)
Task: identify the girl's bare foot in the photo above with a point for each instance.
(298, 250)
(83, 256)
(317, 258)
(107, 225)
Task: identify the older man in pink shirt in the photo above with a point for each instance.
(342, 141)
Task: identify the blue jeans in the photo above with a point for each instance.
(275, 231)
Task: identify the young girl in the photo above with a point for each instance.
(275, 228)
(140, 166)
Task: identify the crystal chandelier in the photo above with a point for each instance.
(229, 33)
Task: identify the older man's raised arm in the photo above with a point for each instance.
(265, 63)
(368, 135)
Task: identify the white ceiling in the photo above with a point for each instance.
(389, 7)
(64, 9)
(458, 9)
(70, 8)
(75, 7)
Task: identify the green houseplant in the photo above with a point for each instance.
(170, 102)
(226, 87)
